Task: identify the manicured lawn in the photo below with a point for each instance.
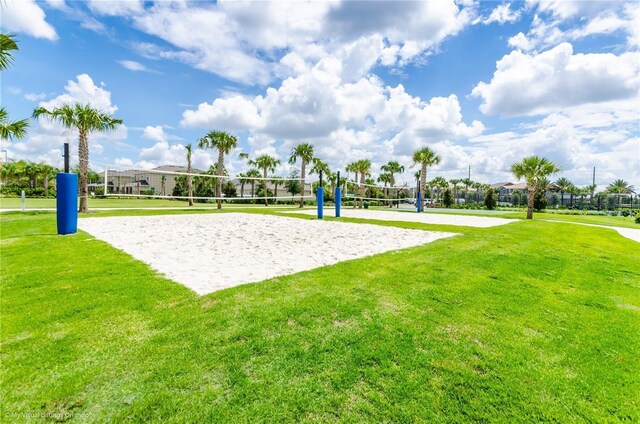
(528, 322)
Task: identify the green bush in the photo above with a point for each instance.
(490, 200)
(447, 198)
(638, 218)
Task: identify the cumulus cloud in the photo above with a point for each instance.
(344, 120)
(133, 66)
(25, 16)
(557, 21)
(34, 97)
(262, 41)
(501, 14)
(550, 81)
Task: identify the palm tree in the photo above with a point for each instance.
(189, 149)
(425, 157)
(267, 164)
(455, 184)
(251, 175)
(385, 178)
(12, 129)
(47, 171)
(533, 169)
(392, 168)
(442, 185)
(7, 44)
(363, 168)
(303, 151)
(468, 182)
(276, 181)
(32, 171)
(477, 186)
(619, 187)
(243, 180)
(163, 185)
(563, 184)
(224, 142)
(85, 120)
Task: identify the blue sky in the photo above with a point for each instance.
(482, 83)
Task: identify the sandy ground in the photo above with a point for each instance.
(210, 252)
(426, 218)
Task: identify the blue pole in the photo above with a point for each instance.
(320, 201)
(67, 203)
(338, 201)
(419, 201)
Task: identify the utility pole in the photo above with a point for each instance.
(469, 171)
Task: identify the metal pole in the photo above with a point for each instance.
(23, 200)
(66, 158)
(338, 196)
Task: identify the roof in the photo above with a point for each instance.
(502, 184)
(518, 186)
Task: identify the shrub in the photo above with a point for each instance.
(638, 218)
(539, 201)
(490, 200)
(447, 198)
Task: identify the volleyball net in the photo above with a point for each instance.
(172, 182)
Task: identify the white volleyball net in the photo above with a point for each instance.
(172, 182)
(377, 195)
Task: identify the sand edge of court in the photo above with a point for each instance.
(210, 252)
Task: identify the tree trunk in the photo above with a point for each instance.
(264, 174)
(83, 155)
(361, 190)
(45, 184)
(220, 174)
(531, 194)
(189, 182)
(357, 188)
(275, 192)
(242, 190)
(253, 189)
(423, 184)
(302, 175)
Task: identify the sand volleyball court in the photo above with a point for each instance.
(209, 252)
(424, 218)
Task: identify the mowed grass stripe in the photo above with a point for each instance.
(525, 322)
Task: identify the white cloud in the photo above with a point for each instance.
(154, 133)
(133, 66)
(255, 42)
(25, 16)
(83, 91)
(33, 97)
(234, 113)
(116, 7)
(501, 14)
(550, 81)
(557, 21)
(344, 120)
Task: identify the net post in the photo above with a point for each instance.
(320, 198)
(105, 181)
(338, 196)
(419, 201)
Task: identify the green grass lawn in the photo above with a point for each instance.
(528, 322)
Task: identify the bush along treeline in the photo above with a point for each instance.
(35, 179)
